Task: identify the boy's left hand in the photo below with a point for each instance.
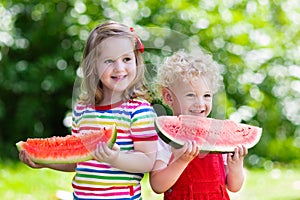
(238, 156)
(104, 154)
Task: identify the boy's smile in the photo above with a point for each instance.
(190, 98)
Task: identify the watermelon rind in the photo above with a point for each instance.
(206, 146)
(68, 158)
(168, 139)
(113, 139)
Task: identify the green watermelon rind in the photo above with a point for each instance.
(113, 140)
(168, 139)
(69, 159)
(177, 143)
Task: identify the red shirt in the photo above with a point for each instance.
(203, 179)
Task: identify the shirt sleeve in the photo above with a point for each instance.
(142, 123)
(224, 156)
(164, 152)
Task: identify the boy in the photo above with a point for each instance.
(187, 84)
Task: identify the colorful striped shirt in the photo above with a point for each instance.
(134, 120)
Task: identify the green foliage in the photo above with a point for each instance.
(255, 42)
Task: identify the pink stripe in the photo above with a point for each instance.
(150, 138)
(134, 106)
(108, 194)
(80, 107)
(93, 164)
(151, 128)
(129, 106)
(78, 187)
(125, 137)
(122, 131)
(89, 128)
(112, 194)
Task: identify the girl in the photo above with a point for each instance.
(187, 84)
(113, 81)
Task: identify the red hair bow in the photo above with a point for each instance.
(141, 47)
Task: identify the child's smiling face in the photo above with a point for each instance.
(192, 97)
(116, 66)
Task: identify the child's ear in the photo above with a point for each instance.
(167, 96)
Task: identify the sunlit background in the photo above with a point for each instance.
(257, 43)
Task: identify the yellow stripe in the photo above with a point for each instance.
(95, 123)
(143, 123)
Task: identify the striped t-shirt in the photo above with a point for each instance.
(134, 120)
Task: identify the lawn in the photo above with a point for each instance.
(18, 182)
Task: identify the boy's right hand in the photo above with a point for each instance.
(188, 152)
(24, 157)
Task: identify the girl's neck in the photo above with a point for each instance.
(109, 100)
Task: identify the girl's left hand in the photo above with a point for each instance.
(238, 156)
(104, 154)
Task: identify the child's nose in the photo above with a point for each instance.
(119, 65)
(200, 102)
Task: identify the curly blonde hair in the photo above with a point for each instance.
(92, 92)
(184, 67)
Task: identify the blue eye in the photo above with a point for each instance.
(108, 61)
(190, 95)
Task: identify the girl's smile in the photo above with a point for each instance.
(116, 67)
(118, 78)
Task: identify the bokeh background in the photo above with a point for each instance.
(257, 43)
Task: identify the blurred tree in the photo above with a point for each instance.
(256, 41)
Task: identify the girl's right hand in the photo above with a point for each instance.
(24, 157)
(188, 152)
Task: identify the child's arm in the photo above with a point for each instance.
(60, 167)
(234, 170)
(163, 177)
(139, 161)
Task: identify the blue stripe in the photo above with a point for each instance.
(142, 111)
(124, 143)
(107, 171)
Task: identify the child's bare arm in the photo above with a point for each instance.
(60, 167)
(163, 177)
(235, 170)
(140, 160)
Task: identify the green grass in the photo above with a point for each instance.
(18, 181)
(21, 182)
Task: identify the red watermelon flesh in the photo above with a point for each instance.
(68, 149)
(211, 134)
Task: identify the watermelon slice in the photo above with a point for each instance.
(68, 149)
(211, 134)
